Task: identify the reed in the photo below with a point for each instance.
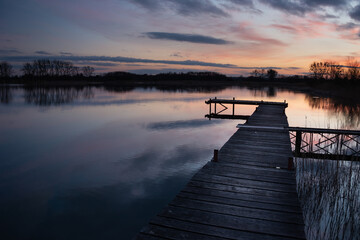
(329, 192)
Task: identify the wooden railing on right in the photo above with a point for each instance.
(320, 143)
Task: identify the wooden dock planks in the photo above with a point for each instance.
(243, 195)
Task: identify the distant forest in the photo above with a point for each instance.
(48, 70)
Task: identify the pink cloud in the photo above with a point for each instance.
(246, 31)
(312, 27)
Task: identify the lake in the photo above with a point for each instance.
(95, 162)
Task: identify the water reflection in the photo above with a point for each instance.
(118, 88)
(349, 108)
(177, 88)
(5, 94)
(258, 91)
(329, 192)
(46, 96)
(195, 123)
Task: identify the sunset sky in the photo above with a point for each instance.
(151, 36)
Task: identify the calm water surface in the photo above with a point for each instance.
(98, 163)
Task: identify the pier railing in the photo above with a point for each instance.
(224, 105)
(322, 143)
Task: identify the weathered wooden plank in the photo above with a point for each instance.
(243, 142)
(258, 148)
(255, 152)
(224, 198)
(256, 161)
(248, 157)
(255, 184)
(288, 205)
(246, 175)
(210, 230)
(233, 222)
(240, 170)
(148, 236)
(238, 211)
(256, 192)
(166, 232)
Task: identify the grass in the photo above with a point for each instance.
(329, 192)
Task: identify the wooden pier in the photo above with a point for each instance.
(248, 192)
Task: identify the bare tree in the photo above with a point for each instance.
(353, 68)
(5, 69)
(334, 70)
(260, 73)
(318, 69)
(27, 69)
(272, 74)
(88, 71)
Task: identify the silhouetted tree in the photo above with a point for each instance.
(5, 69)
(259, 73)
(353, 69)
(271, 73)
(27, 69)
(46, 67)
(334, 70)
(318, 70)
(88, 71)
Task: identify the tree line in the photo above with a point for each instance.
(47, 68)
(326, 70)
(331, 70)
(262, 73)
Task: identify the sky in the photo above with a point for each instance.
(232, 37)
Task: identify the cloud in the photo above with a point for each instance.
(195, 123)
(42, 53)
(292, 68)
(245, 31)
(184, 7)
(181, 37)
(355, 13)
(292, 7)
(248, 3)
(325, 2)
(66, 53)
(348, 26)
(149, 4)
(300, 7)
(118, 60)
(286, 28)
(9, 51)
(176, 54)
(110, 61)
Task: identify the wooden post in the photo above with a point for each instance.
(298, 143)
(215, 107)
(210, 110)
(215, 159)
(290, 163)
(233, 107)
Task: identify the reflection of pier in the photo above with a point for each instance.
(248, 191)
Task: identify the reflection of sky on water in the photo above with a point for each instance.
(101, 166)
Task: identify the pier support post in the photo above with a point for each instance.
(233, 107)
(290, 163)
(215, 158)
(210, 109)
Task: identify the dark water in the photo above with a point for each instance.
(99, 162)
